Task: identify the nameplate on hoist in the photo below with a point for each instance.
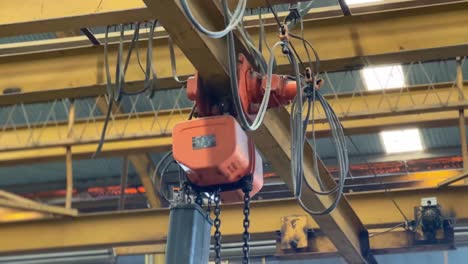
(201, 142)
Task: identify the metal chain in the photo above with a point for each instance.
(187, 193)
(246, 234)
(217, 224)
(210, 200)
(198, 198)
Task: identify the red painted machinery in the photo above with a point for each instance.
(213, 149)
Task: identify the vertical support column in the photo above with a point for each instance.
(461, 117)
(69, 161)
(123, 182)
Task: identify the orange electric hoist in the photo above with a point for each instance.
(214, 151)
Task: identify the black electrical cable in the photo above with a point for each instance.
(274, 13)
(165, 158)
(388, 230)
(115, 93)
(150, 73)
(120, 69)
(335, 118)
(298, 137)
(297, 54)
(192, 111)
(279, 26)
(110, 95)
(344, 7)
(262, 30)
(339, 140)
(341, 149)
(317, 58)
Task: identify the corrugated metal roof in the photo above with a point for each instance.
(440, 137)
(370, 144)
(367, 144)
(414, 74)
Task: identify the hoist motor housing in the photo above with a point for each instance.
(252, 87)
(214, 151)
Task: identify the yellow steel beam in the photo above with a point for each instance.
(452, 180)
(390, 242)
(342, 42)
(319, 246)
(140, 250)
(358, 115)
(150, 226)
(425, 179)
(55, 15)
(11, 200)
(13, 215)
(126, 137)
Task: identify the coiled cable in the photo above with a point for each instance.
(298, 128)
(243, 120)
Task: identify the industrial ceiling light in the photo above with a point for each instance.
(355, 2)
(406, 140)
(383, 77)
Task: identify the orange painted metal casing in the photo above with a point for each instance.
(215, 150)
(252, 88)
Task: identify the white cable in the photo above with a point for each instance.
(243, 120)
(236, 18)
(266, 97)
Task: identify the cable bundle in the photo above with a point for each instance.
(298, 124)
(236, 18)
(338, 138)
(115, 92)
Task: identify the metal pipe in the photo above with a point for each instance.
(344, 7)
(461, 116)
(123, 182)
(461, 124)
(69, 160)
